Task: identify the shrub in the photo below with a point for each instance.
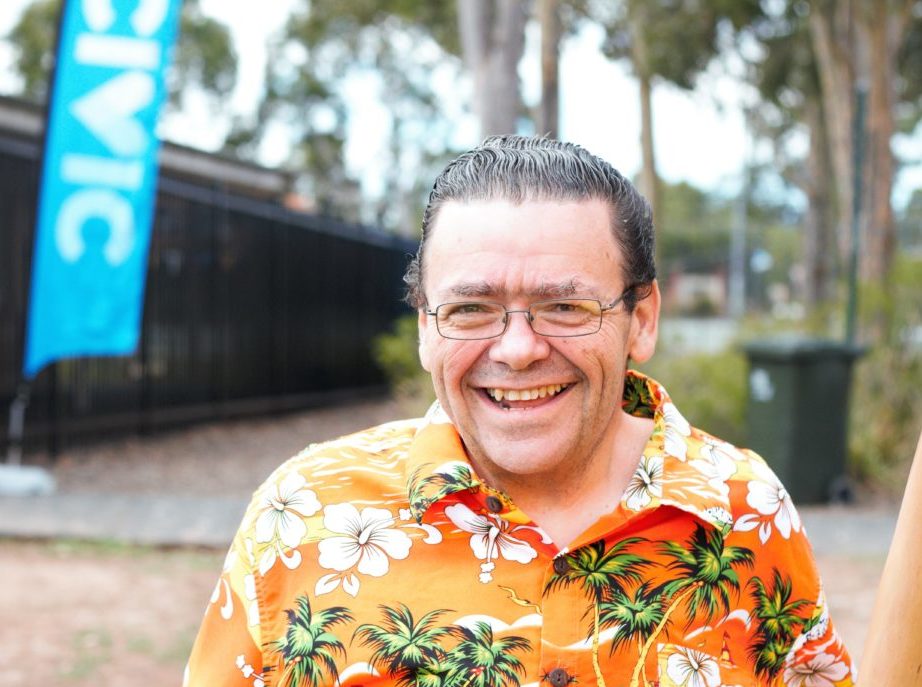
(396, 353)
(708, 388)
(886, 409)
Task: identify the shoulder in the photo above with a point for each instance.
(367, 466)
(734, 464)
(756, 496)
(382, 444)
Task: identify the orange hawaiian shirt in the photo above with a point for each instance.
(382, 559)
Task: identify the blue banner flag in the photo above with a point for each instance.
(99, 176)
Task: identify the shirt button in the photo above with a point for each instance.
(558, 677)
(494, 505)
(560, 565)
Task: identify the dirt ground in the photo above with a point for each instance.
(75, 614)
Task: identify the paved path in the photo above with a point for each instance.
(160, 520)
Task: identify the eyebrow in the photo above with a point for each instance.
(484, 289)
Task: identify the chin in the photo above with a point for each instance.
(522, 461)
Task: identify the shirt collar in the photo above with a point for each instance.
(680, 467)
(437, 464)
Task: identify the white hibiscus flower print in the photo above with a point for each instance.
(823, 670)
(771, 500)
(283, 510)
(646, 484)
(491, 537)
(722, 456)
(280, 523)
(691, 668)
(366, 542)
(677, 429)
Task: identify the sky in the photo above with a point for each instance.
(699, 137)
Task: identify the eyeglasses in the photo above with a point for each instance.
(470, 320)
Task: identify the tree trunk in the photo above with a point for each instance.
(492, 42)
(819, 237)
(831, 31)
(885, 35)
(549, 19)
(640, 666)
(857, 41)
(649, 182)
(599, 678)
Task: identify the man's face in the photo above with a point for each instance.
(517, 255)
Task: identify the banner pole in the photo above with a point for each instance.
(20, 402)
(16, 424)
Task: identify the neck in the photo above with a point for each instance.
(565, 505)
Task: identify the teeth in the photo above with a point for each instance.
(525, 394)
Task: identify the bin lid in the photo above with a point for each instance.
(787, 348)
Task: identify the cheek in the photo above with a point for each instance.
(447, 361)
(603, 353)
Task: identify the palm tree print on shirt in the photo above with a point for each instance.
(409, 650)
(482, 660)
(424, 491)
(704, 576)
(779, 622)
(414, 651)
(636, 615)
(309, 648)
(600, 573)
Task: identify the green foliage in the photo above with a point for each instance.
(31, 39)
(886, 403)
(681, 37)
(397, 52)
(204, 57)
(326, 18)
(909, 88)
(396, 354)
(785, 244)
(909, 223)
(693, 228)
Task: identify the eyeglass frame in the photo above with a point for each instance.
(528, 316)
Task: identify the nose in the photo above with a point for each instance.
(519, 346)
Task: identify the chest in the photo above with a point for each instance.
(467, 598)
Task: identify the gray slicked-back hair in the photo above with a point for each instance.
(520, 168)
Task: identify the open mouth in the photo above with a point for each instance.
(524, 398)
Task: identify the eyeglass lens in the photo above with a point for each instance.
(560, 317)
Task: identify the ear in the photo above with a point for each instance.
(422, 324)
(645, 326)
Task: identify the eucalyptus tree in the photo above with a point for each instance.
(205, 58)
(332, 59)
(671, 41)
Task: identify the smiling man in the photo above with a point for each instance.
(553, 519)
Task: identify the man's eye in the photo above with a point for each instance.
(466, 310)
(469, 308)
(563, 307)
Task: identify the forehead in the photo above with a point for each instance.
(535, 247)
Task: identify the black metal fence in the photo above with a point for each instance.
(249, 308)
